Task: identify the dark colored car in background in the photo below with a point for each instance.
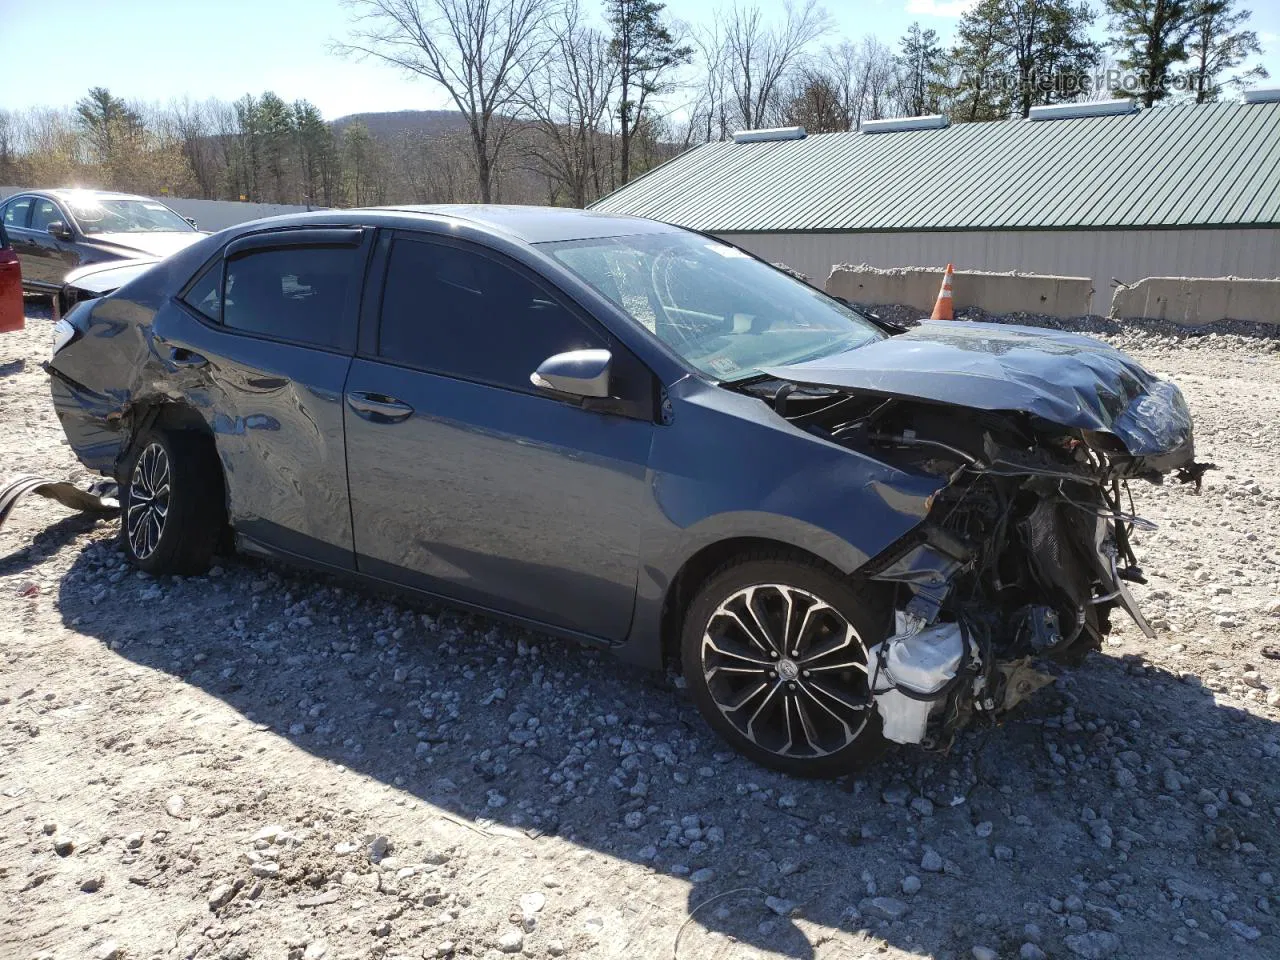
(636, 436)
(55, 231)
(11, 311)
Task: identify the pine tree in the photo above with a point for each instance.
(108, 123)
(979, 86)
(1065, 57)
(645, 51)
(1036, 51)
(920, 78)
(1218, 45)
(276, 129)
(1151, 37)
(317, 154)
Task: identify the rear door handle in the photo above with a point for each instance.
(186, 358)
(378, 408)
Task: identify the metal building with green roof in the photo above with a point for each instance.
(1101, 190)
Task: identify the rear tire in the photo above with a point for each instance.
(172, 511)
(774, 654)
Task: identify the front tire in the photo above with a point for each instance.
(774, 650)
(171, 503)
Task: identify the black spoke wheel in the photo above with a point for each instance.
(173, 508)
(775, 655)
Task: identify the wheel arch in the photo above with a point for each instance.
(164, 413)
(702, 564)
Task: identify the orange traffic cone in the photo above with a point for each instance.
(942, 310)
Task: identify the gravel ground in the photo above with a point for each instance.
(262, 763)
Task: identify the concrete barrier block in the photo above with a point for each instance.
(1194, 301)
(994, 292)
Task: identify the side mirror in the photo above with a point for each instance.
(192, 221)
(578, 373)
(59, 230)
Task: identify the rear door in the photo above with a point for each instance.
(263, 344)
(16, 216)
(465, 480)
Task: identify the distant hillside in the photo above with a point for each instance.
(386, 126)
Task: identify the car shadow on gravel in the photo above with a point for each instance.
(45, 543)
(1110, 808)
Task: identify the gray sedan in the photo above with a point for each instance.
(846, 534)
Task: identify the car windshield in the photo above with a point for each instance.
(722, 310)
(95, 215)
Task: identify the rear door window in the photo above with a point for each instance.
(301, 294)
(462, 313)
(15, 212)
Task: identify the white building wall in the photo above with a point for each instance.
(1126, 255)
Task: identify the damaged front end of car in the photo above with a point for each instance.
(1026, 550)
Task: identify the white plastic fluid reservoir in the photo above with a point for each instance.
(923, 663)
(927, 661)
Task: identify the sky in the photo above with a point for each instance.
(155, 50)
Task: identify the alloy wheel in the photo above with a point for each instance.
(787, 670)
(148, 501)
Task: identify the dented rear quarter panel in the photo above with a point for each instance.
(97, 380)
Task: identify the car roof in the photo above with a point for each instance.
(74, 193)
(539, 224)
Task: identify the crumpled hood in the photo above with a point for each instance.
(159, 244)
(1065, 378)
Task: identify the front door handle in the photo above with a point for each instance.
(378, 408)
(183, 357)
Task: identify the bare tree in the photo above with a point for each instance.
(878, 75)
(862, 75)
(712, 94)
(480, 52)
(193, 129)
(569, 99)
(813, 101)
(8, 146)
(761, 56)
(843, 68)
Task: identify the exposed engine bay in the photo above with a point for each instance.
(1026, 551)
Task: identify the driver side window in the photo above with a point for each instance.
(45, 213)
(455, 311)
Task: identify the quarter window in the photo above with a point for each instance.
(205, 294)
(463, 314)
(301, 294)
(15, 213)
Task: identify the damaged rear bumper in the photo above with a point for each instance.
(90, 420)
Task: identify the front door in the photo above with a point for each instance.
(464, 480)
(51, 258)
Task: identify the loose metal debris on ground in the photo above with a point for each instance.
(263, 763)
